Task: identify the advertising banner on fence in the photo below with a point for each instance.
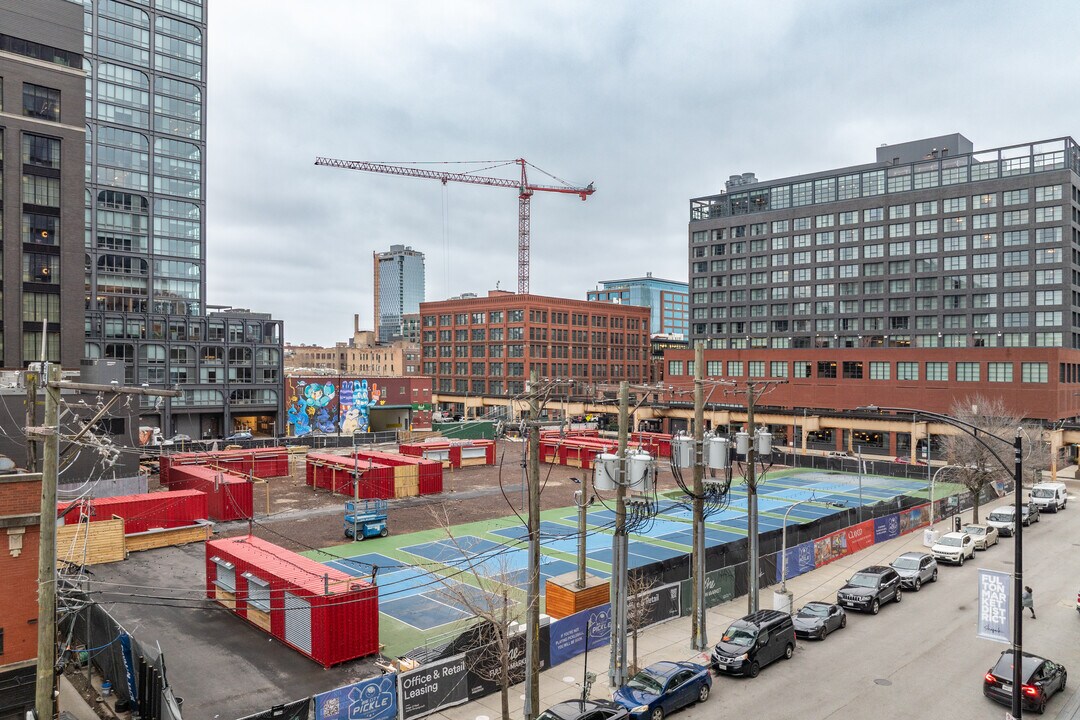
(830, 547)
(860, 537)
(886, 528)
(662, 603)
(374, 699)
(994, 592)
(800, 559)
(719, 586)
(298, 710)
(433, 687)
(485, 664)
(568, 636)
(914, 518)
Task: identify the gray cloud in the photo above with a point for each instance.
(656, 103)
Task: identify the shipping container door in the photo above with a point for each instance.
(298, 622)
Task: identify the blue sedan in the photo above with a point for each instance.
(663, 688)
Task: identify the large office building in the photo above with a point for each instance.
(42, 141)
(145, 228)
(935, 273)
(668, 301)
(488, 346)
(399, 290)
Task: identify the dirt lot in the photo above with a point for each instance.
(301, 518)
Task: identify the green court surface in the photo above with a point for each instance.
(422, 575)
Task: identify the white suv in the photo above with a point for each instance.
(954, 547)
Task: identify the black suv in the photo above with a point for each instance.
(753, 642)
(869, 588)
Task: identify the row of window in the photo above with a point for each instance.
(498, 317)
(960, 371)
(212, 330)
(740, 341)
(977, 167)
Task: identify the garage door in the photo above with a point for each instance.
(298, 622)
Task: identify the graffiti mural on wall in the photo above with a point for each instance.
(332, 405)
(313, 407)
(357, 398)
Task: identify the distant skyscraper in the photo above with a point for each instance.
(399, 289)
(667, 299)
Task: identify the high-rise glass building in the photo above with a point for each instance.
(145, 228)
(399, 289)
(668, 301)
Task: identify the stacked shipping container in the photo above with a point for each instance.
(228, 496)
(453, 453)
(262, 463)
(322, 613)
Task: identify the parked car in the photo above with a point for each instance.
(585, 710)
(181, 438)
(818, 619)
(914, 569)
(1030, 514)
(869, 588)
(1042, 678)
(838, 455)
(1002, 519)
(752, 642)
(904, 460)
(954, 547)
(239, 435)
(664, 687)
(983, 535)
(1049, 496)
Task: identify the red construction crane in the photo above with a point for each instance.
(524, 187)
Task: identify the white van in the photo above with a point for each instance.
(1049, 496)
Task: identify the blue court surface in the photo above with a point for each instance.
(712, 537)
(640, 553)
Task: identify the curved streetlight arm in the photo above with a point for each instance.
(783, 544)
(972, 430)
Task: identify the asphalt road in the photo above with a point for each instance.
(921, 658)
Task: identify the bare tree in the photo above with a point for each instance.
(485, 588)
(637, 610)
(978, 465)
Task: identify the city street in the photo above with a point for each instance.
(919, 659)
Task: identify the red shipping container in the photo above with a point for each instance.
(335, 473)
(320, 612)
(143, 511)
(228, 497)
(429, 472)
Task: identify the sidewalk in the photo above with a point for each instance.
(671, 640)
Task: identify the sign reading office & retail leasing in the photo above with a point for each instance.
(433, 687)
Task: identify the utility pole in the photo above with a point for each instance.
(617, 669)
(751, 502)
(532, 639)
(32, 378)
(46, 638)
(699, 639)
(45, 686)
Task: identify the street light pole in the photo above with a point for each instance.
(1017, 443)
(783, 546)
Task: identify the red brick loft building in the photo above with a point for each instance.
(481, 350)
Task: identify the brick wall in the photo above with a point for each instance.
(20, 496)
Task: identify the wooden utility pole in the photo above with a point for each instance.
(532, 640)
(699, 638)
(617, 669)
(46, 636)
(44, 691)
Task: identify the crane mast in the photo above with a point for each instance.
(523, 186)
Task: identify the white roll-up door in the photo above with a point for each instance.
(298, 622)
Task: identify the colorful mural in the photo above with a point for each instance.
(331, 405)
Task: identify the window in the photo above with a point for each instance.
(735, 368)
(937, 371)
(907, 371)
(258, 593)
(225, 575)
(778, 369)
(880, 371)
(1048, 193)
(999, 372)
(1014, 197)
(967, 372)
(1048, 214)
(1033, 372)
(675, 367)
(41, 102)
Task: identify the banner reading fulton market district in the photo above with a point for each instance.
(994, 595)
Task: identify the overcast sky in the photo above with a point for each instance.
(654, 102)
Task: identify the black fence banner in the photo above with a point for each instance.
(433, 687)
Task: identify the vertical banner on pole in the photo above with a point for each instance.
(994, 596)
